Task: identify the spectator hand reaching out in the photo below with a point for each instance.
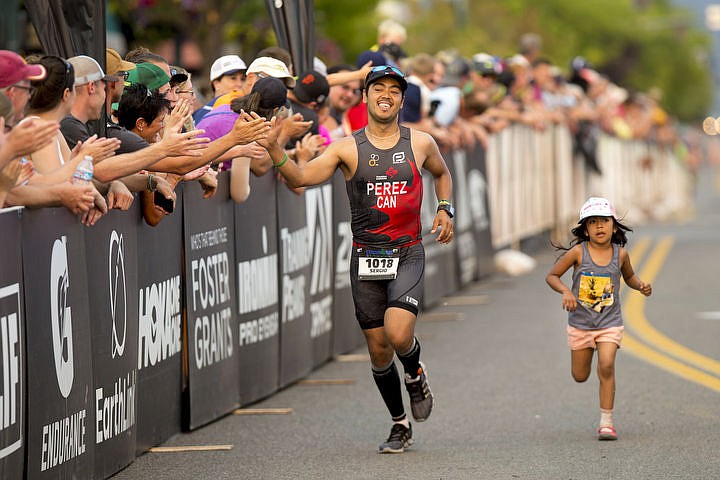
(76, 198)
(26, 137)
(308, 147)
(209, 183)
(119, 196)
(98, 148)
(98, 209)
(249, 128)
(179, 115)
(196, 174)
(8, 178)
(294, 126)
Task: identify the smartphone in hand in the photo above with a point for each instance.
(165, 203)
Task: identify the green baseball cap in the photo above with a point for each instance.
(148, 74)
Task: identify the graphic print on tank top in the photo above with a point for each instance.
(385, 193)
(596, 290)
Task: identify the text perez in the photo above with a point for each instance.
(386, 193)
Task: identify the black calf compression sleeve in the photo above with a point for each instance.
(411, 359)
(388, 382)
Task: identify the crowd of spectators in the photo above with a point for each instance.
(159, 132)
(462, 101)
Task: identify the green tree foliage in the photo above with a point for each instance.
(638, 44)
(345, 29)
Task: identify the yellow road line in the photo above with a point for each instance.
(635, 306)
(636, 320)
(670, 364)
(637, 255)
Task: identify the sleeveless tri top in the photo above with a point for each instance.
(385, 194)
(597, 289)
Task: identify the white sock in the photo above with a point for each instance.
(405, 422)
(606, 418)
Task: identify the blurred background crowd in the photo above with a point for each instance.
(163, 109)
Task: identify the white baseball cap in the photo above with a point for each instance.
(273, 67)
(597, 207)
(88, 70)
(226, 65)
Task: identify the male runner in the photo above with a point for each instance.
(381, 164)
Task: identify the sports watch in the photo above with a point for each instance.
(447, 206)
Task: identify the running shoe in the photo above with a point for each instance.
(400, 438)
(607, 433)
(421, 398)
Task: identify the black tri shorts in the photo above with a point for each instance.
(373, 297)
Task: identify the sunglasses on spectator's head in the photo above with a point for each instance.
(124, 75)
(68, 68)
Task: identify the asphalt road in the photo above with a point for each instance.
(506, 405)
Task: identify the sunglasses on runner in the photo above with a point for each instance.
(383, 68)
(386, 71)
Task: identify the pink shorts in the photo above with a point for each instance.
(579, 339)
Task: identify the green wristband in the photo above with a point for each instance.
(285, 159)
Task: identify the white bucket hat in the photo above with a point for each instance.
(597, 207)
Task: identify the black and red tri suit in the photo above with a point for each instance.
(385, 195)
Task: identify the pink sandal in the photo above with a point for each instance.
(607, 433)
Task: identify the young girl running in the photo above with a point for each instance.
(594, 319)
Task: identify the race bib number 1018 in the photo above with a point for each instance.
(378, 265)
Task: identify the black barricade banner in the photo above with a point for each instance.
(210, 298)
(296, 354)
(465, 247)
(476, 185)
(320, 235)
(159, 339)
(61, 400)
(258, 307)
(111, 257)
(346, 333)
(12, 348)
(440, 267)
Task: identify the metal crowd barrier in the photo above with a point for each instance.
(536, 184)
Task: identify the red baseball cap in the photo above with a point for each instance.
(13, 69)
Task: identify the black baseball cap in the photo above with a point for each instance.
(177, 76)
(273, 93)
(383, 71)
(311, 86)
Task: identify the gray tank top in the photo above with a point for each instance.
(597, 289)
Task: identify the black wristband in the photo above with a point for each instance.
(448, 208)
